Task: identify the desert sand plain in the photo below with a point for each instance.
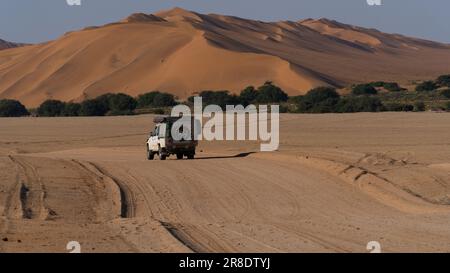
(337, 182)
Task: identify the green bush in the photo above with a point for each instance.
(51, 108)
(446, 93)
(364, 89)
(221, 98)
(12, 108)
(248, 95)
(93, 107)
(377, 84)
(121, 103)
(111, 104)
(426, 86)
(158, 111)
(399, 107)
(146, 100)
(443, 80)
(267, 93)
(392, 86)
(295, 99)
(359, 104)
(419, 106)
(270, 93)
(71, 109)
(104, 100)
(318, 100)
(164, 100)
(155, 99)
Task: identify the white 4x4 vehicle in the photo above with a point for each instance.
(161, 142)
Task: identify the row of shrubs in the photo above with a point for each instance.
(363, 98)
(266, 93)
(442, 81)
(122, 104)
(327, 100)
(107, 104)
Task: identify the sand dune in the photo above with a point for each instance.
(341, 31)
(337, 183)
(184, 52)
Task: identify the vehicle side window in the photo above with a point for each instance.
(162, 130)
(156, 131)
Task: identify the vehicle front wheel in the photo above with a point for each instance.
(150, 154)
(179, 156)
(190, 156)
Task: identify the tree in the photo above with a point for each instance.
(71, 109)
(392, 86)
(121, 104)
(220, 98)
(377, 84)
(93, 107)
(155, 99)
(270, 93)
(146, 100)
(111, 104)
(446, 93)
(399, 107)
(51, 108)
(319, 100)
(419, 106)
(248, 95)
(295, 99)
(164, 100)
(12, 108)
(426, 86)
(352, 104)
(364, 89)
(104, 100)
(443, 80)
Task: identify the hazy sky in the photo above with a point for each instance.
(41, 20)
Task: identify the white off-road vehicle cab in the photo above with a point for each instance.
(160, 141)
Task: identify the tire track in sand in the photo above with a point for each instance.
(128, 199)
(31, 192)
(194, 238)
(122, 198)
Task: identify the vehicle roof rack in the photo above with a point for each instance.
(165, 119)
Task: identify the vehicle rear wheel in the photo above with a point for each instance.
(179, 156)
(190, 156)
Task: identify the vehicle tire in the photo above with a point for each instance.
(190, 156)
(179, 156)
(162, 156)
(150, 154)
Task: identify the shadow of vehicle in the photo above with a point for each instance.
(225, 157)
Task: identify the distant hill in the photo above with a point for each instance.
(5, 44)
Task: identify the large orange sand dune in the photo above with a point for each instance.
(183, 52)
